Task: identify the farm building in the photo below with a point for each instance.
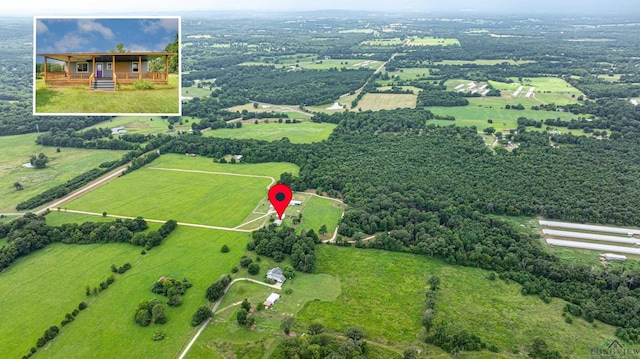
(295, 203)
(276, 274)
(271, 300)
(614, 257)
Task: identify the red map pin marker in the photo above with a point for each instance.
(280, 196)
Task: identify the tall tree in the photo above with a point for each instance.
(119, 49)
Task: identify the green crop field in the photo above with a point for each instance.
(383, 101)
(433, 41)
(144, 124)
(384, 293)
(62, 166)
(304, 132)
(106, 329)
(79, 99)
(201, 198)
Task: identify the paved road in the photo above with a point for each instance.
(217, 304)
(589, 227)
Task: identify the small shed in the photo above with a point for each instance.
(295, 203)
(271, 300)
(276, 274)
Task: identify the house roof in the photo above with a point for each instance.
(273, 297)
(107, 56)
(276, 274)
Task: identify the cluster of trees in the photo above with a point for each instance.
(39, 161)
(216, 290)
(172, 289)
(150, 312)
(319, 344)
(276, 243)
(201, 314)
(30, 233)
(440, 98)
(243, 317)
(279, 86)
(96, 138)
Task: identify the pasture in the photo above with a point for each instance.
(384, 293)
(314, 63)
(304, 132)
(482, 62)
(62, 166)
(290, 110)
(188, 252)
(162, 99)
(383, 42)
(477, 115)
(194, 91)
(37, 290)
(383, 101)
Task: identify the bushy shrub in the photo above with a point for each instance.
(143, 85)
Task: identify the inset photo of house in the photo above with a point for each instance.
(107, 66)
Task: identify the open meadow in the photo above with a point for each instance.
(63, 166)
(384, 293)
(313, 63)
(433, 41)
(162, 98)
(303, 132)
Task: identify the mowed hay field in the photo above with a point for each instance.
(384, 293)
(106, 329)
(303, 132)
(143, 124)
(62, 166)
(383, 101)
(194, 197)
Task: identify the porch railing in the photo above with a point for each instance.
(61, 75)
(159, 76)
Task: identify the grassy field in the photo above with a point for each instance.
(195, 91)
(305, 132)
(225, 336)
(502, 118)
(433, 41)
(318, 211)
(189, 252)
(62, 166)
(548, 90)
(184, 196)
(291, 111)
(383, 101)
(272, 169)
(144, 125)
(79, 99)
(384, 293)
(36, 291)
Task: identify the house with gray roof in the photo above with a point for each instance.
(276, 274)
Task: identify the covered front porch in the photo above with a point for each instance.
(105, 70)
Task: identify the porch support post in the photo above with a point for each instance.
(139, 67)
(69, 68)
(93, 65)
(113, 72)
(166, 69)
(45, 69)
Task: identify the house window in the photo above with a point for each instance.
(108, 66)
(82, 67)
(134, 66)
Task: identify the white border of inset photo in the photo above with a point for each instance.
(71, 17)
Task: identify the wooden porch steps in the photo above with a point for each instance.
(102, 85)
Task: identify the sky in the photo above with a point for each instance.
(155, 7)
(55, 36)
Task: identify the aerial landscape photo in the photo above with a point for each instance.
(346, 179)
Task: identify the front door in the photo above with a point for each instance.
(98, 70)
